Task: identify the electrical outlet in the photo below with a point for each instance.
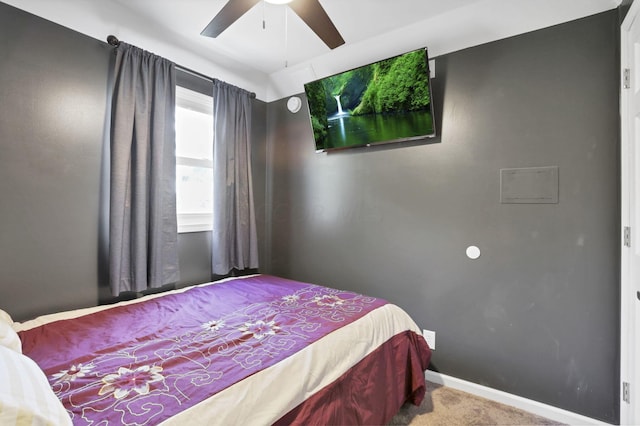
(430, 337)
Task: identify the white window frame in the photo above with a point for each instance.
(186, 98)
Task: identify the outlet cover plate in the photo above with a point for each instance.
(430, 337)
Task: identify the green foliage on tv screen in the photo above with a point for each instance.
(350, 86)
(316, 98)
(397, 84)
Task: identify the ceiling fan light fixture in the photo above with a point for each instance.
(278, 1)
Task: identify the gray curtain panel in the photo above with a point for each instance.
(143, 236)
(234, 238)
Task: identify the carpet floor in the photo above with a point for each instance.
(444, 406)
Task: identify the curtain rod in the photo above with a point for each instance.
(113, 41)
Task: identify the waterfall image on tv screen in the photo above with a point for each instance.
(386, 101)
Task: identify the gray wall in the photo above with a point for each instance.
(53, 86)
(53, 92)
(537, 314)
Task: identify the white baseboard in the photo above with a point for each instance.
(534, 407)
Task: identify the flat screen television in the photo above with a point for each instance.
(383, 102)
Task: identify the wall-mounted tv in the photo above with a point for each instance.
(383, 102)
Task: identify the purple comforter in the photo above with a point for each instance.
(144, 362)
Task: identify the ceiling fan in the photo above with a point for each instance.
(310, 11)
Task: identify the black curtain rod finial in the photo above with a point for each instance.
(113, 40)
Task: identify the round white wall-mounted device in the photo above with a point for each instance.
(294, 104)
(473, 252)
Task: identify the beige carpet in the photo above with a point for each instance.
(444, 406)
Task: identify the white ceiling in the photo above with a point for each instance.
(285, 38)
(276, 61)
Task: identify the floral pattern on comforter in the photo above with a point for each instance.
(142, 363)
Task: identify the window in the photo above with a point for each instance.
(194, 160)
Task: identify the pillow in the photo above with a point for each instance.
(5, 317)
(25, 395)
(8, 336)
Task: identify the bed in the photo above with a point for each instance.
(249, 350)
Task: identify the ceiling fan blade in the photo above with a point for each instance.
(314, 15)
(229, 14)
